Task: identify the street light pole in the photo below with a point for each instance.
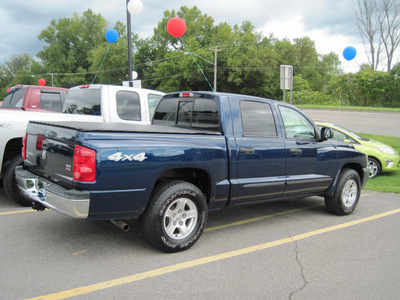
(129, 33)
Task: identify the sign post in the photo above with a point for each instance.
(287, 80)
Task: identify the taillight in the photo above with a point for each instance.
(24, 146)
(84, 164)
(39, 142)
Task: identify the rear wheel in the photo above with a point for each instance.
(345, 198)
(176, 217)
(10, 183)
(374, 167)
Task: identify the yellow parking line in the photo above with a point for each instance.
(247, 221)
(205, 260)
(15, 212)
(209, 229)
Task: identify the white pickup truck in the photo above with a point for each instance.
(88, 103)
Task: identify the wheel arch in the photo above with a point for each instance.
(196, 176)
(356, 167)
(12, 149)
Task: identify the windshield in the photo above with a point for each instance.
(351, 133)
(15, 98)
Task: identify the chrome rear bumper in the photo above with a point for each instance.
(68, 202)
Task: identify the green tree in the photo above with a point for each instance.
(251, 62)
(110, 61)
(161, 60)
(19, 69)
(69, 44)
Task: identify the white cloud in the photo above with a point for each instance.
(329, 23)
(325, 43)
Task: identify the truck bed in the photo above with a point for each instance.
(121, 127)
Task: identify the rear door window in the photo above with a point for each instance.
(257, 119)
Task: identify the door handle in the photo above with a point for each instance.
(295, 151)
(246, 150)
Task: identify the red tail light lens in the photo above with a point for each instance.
(186, 95)
(24, 146)
(39, 142)
(84, 164)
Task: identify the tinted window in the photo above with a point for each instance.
(296, 125)
(185, 109)
(166, 112)
(50, 101)
(205, 114)
(199, 113)
(128, 105)
(83, 101)
(257, 119)
(15, 98)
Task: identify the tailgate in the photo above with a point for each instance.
(49, 152)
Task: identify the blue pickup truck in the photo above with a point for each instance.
(203, 151)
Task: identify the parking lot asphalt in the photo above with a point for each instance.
(381, 123)
(282, 250)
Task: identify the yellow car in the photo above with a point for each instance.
(381, 157)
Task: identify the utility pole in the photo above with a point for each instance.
(129, 32)
(215, 65)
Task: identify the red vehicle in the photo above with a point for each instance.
(35, 98)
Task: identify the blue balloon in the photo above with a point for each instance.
(111, 36)
(349, 53)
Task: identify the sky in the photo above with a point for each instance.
(329, 23)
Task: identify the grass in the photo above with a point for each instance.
(344, 107)
(386, 182)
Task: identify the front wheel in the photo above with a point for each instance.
(374, 167)
(345, 198)
(176, 216)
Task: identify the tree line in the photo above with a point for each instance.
(76, 52)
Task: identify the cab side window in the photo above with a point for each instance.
(128, 105)
(50, 101)
(257, 119)
(296, 125)
(83, 101)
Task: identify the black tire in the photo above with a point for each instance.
(347, 194)
(175, 217)
(10, 184)
(374, 167)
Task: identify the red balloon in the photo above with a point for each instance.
(176, 27)
(41, 82)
